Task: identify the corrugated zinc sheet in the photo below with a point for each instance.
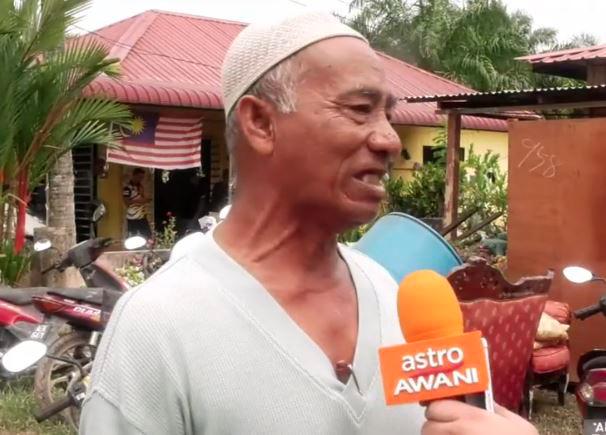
(172, 59)
(571, 55)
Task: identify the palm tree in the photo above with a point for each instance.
(474, 43)
(43, 114)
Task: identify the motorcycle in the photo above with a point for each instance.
(86, 311)
(20, 319)
(591, 367)
(26, 354)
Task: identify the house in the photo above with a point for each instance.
(171, 67)
(585, 63)
(556, 201)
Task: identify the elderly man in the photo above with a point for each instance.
(267, 326)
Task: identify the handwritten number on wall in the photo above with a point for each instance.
(538, 159)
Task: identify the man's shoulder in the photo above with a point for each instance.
(179, 284)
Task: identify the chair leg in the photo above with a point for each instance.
(530, 400)
(526, 405)
(562, 388)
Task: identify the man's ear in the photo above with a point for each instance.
(257, 123)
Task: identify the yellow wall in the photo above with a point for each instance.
(215, 131)
(414, 138)
(109, 190)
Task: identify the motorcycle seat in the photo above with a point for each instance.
(91, 295)
(594, 363)
(21, 296)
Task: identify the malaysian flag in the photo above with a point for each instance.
(163, 142)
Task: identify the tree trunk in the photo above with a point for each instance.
(23, 199)
(60, 200)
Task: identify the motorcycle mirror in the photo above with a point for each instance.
(207, 222)
(42, 245)
(135, 242)
(224, 212)
(23, 355)
(578, 275)
(98, 213)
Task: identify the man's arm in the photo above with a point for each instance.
(126, 195)
(129, 199)
(99, 416)
(136, 387)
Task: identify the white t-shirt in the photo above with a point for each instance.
(203, 348)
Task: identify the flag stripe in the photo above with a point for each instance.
(161, 146)
(176, 130)
(179, 127)
(171, 120)
(166, 142)
(154, 164)
(178, 136)
(162, 155)
(171, 159)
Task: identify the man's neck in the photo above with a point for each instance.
(277, 238)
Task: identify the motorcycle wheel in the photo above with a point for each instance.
(53, 378)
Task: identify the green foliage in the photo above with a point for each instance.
(13, 266)
(482, 185)
(423, 196)
(474, 42)
(17, 406)
(166, 238)
(132, 273)
(354, 234)
(42, 110)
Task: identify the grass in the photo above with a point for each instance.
(16, 412)
(17, 406)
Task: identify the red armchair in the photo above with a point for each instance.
(508, 316)
(550, 363)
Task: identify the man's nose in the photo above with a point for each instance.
(385, 140)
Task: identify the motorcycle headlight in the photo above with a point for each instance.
(586, 392)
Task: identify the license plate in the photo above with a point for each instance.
(594, 427)
(40, 332)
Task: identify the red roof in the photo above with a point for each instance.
(573, 63)
(571, 55)
(173, 59)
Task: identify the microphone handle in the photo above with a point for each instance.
(484, 400)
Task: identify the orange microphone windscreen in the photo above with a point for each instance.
(428, 307)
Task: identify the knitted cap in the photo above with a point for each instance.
(260, 47)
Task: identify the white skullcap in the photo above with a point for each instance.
(260, 47)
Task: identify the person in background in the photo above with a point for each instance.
(136, 202)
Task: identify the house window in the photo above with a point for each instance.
(431, 154)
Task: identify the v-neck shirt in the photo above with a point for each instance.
(204, 348)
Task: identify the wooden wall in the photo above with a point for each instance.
(557, 211)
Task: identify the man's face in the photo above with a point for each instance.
(335, 149)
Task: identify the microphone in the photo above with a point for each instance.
(439, 360)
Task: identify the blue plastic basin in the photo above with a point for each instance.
(403, 244)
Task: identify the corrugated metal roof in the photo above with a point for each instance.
(508, 92)
(575, 54)
(174, 59)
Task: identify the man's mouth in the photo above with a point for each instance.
(372, 180)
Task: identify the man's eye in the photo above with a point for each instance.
(361, 108)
